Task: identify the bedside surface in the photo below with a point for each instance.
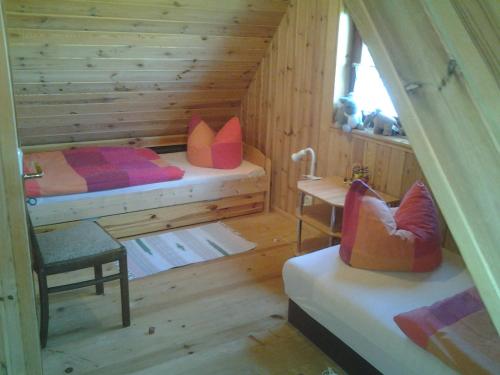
(333, 190)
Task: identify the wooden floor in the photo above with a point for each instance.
(226, 316)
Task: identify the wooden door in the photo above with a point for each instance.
(19, 343)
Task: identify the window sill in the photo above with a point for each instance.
(395, 141)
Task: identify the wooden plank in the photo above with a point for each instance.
(461, 176)
(98, 136)
(44, 38)
(126, 97)
(19, 348)
(134, 52)
(380, 174)
(102, 118)
(174, 127)
(357, 149)
(124, 86)
(262, 139)
(41, 111)
(331, 164)
(395, 172)
(142, 63)
(280, 45)
(156, 219)
(136, 142)
(410, 172)
(257, 5)
(369, 158)
(82, 76)
(68, 22)
(326, 73)
(143, 11)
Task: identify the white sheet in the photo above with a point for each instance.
(358, 305)
(193, 175)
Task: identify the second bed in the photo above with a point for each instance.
(203, 194)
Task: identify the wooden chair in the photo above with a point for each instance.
(83, 245)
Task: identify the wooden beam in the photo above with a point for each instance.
(452, 137)
(19, 344)
(477, 54)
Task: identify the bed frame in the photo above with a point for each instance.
(331, 345)
(149, 211)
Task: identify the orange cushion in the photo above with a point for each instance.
(223, 150)
(373, 238)
(199, 145)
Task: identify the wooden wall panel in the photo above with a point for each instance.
(20, 351)
(284, 106)
(290, 100)
(102, 69)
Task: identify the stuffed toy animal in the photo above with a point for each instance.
(347, 114)
(381, 123)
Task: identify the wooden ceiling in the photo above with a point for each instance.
(103, 69)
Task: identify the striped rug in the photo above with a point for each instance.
(153, 254)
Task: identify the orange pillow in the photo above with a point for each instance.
(373, 237)
(223, 150)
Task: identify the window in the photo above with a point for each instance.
(369, 91)
(356, 74)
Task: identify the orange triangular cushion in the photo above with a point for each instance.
(223, 150)
(199, 145)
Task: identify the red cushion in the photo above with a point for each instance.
(373, 239)
(418, 215)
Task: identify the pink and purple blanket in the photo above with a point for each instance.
(88, 169)
(457, 330)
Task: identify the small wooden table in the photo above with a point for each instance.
(325, 214)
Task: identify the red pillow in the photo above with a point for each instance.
(373, 237)
(418, 215)
(223, 150)
(458, 331)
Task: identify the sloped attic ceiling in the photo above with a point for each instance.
(103, 69)
(440, 61)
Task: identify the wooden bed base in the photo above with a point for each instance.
(330, 344)
(149, 211)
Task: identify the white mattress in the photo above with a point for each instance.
(358, 305)
(193, 175)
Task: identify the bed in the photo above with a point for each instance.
(352, 309)
(202, 195)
